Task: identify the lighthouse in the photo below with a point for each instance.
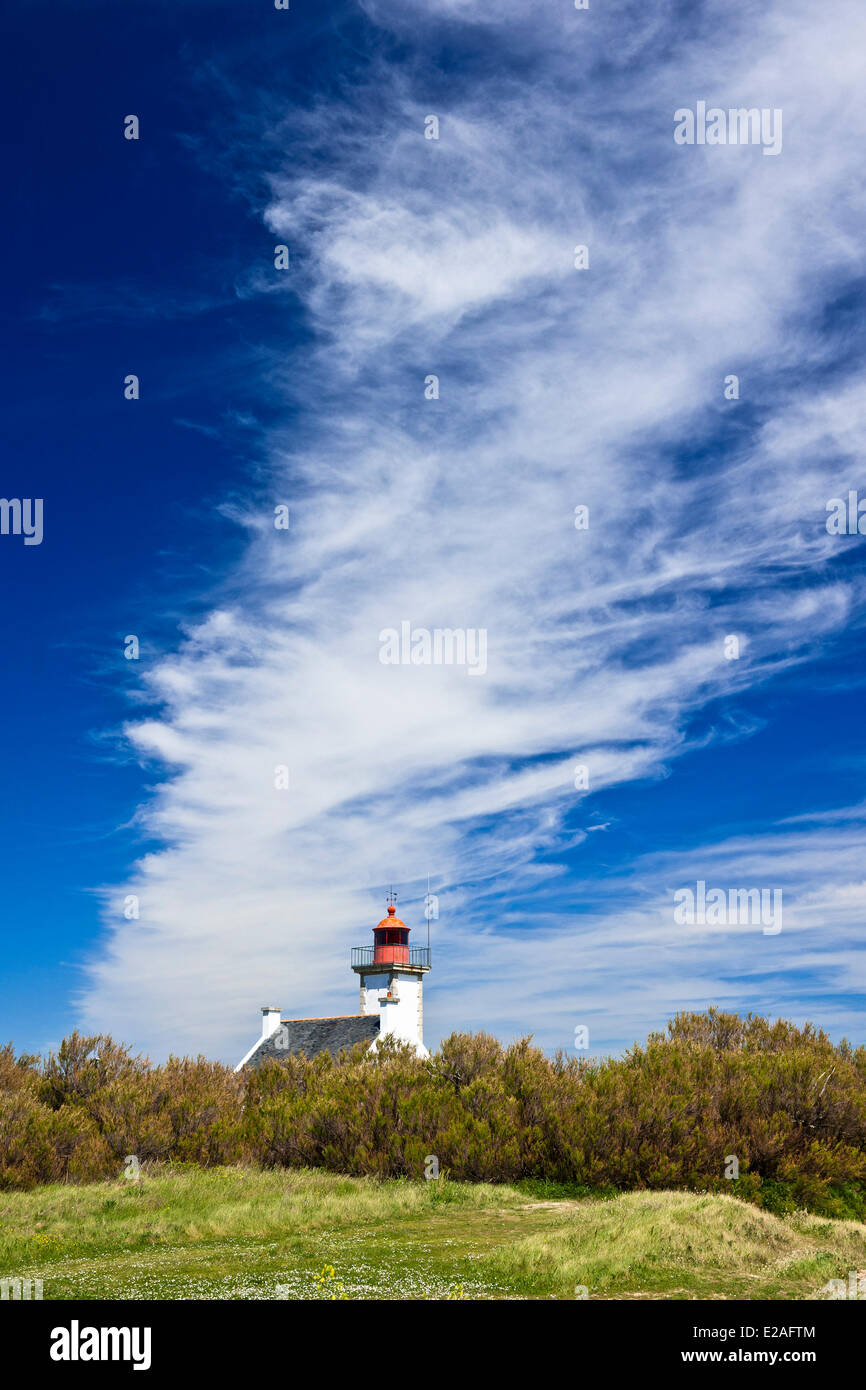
(391, 975)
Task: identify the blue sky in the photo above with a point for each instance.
(559, 387)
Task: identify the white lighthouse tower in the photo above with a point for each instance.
(391, 976)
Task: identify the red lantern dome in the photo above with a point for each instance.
(392, 940)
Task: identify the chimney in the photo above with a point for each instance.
(270, 1020)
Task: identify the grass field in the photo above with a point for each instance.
(238, 1233)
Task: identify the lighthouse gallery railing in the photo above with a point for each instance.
(363, 955)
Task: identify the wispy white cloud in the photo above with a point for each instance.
(558, 387)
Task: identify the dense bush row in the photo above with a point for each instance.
(784, 1101)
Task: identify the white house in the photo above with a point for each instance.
(391, 975)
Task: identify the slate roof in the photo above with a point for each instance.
(314, 1035)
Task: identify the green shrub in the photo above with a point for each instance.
(787, 1103)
